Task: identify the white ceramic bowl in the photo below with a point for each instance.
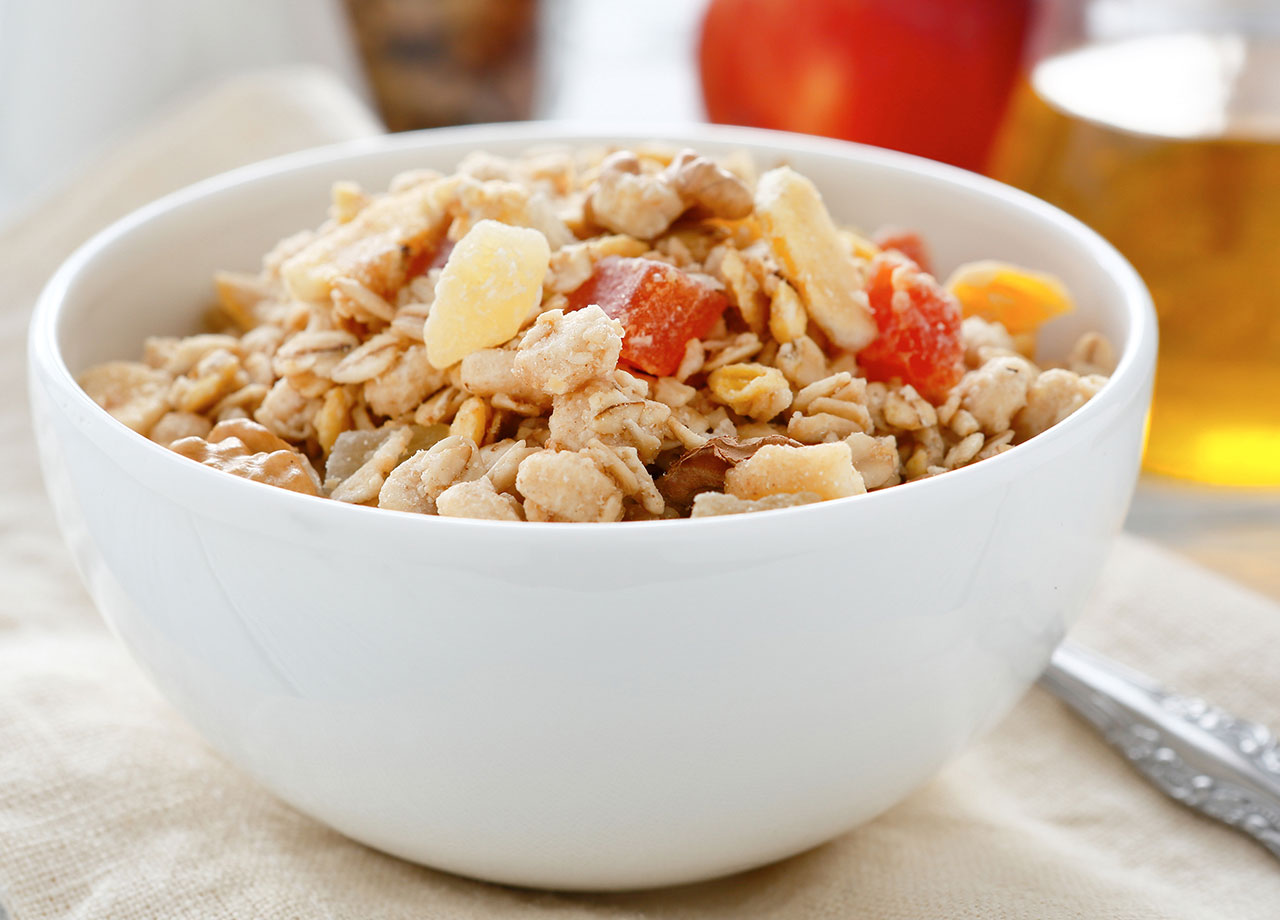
(584, 706)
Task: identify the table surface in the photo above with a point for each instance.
(1233, 532)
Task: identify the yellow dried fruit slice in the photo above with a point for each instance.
(1019, 298)
(492, 281)
(378, 247)
(815, 258)
(824, 469)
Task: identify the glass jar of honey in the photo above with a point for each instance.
(1157, 122)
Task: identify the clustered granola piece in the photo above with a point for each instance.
(602, 335)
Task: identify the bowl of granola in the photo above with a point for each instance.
(578, 510)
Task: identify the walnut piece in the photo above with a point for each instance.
(701, 182)
(247, 449)
(627, 200)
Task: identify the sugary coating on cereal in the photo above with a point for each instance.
(600, 335)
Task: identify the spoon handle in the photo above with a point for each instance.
(1195, 753)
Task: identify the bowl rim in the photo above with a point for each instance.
(1133, 371)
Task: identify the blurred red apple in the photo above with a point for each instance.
(930, 77)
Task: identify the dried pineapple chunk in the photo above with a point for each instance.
(1019, 298)
(492, 281)
(815, 258)
(379, 247)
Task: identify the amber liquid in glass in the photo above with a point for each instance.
(1169, 146)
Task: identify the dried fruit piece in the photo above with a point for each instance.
(787, 319)
(814, 258)
(826, 469)
(490, 284)
(703, 469)
(919, 325)
(907, 242)
(660, 307)
(389, 241)
(362, 486)
(1018, 298)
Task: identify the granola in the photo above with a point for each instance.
(603, 335)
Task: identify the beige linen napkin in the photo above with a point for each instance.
(110, 807)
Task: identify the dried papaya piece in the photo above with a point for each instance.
(1019, 298)
(907, 242)
(919, 329)
(660, 307)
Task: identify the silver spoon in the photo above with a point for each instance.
(1193, 752)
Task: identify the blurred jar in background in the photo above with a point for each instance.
(448, 62)
(1157, 122)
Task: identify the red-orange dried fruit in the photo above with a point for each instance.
(660, 307)
(919, 329)
(907, 242)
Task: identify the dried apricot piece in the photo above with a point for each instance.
(907, 242)
(1018, 298)
(919, 323)
(660, 307)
